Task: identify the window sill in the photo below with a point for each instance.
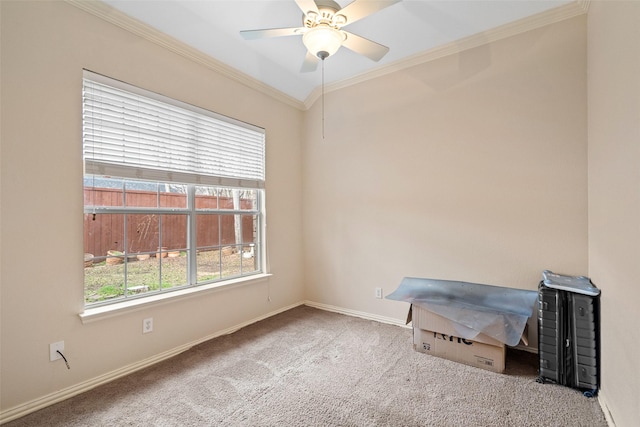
(117, 309)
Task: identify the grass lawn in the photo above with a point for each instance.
(103, 281)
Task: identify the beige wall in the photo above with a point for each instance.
(614, 197)
(472, 167)
(45, 46)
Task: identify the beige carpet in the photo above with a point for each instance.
(308, 367)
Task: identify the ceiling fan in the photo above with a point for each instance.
(322, 32)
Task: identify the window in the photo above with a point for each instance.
(173, 194)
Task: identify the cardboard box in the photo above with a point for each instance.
(441, 337)
(468, 352)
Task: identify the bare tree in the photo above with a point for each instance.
(237, 219)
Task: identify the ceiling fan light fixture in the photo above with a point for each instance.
(322, 41)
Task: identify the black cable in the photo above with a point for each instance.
(65, 359)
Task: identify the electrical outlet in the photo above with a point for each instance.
(53, 350)
(378, 292)
(147, 325)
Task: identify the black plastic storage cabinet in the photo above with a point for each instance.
(569, 332)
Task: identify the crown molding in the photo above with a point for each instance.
(134, 26)
(542, 19)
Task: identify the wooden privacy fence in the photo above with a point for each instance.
(106, 232)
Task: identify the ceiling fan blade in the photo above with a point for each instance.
(272, 32)
(307, 6)
(310, 63)
(366, 47)
(359, 9)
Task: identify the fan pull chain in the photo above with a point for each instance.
(322, 98)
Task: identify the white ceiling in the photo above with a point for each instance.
(408, 28)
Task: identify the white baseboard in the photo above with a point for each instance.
(602, 400)
(526, 348)
(361, 314)
(66, 393)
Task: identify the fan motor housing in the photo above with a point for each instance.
(327, 15)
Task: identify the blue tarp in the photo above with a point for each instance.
(498, 312)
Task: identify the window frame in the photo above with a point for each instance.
(96, 167)
(191, 212)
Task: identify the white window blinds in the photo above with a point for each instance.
(133, 133)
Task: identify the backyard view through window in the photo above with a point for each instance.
(173, 194)
(138, 236)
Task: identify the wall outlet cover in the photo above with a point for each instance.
(53, 350)
(147, 325)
